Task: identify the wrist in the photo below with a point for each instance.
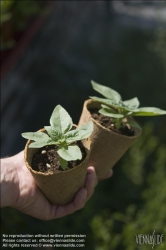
(7, 183)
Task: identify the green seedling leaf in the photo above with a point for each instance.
(102, 100)
(106, 112)
(70, 153)
(55, 135)
(122, 109)
(117, 109)
(106, 91)
(60, 120)
(133, 124)
(59, 134)
(84, 131)
(71, 136)
(80, 133)
(63, 163)
(41, 143)
(113, 110)
(35, 136)
(132, 103)
(38, 144)
(111, 103)
(148, 111)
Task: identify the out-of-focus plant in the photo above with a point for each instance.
(15, 16)
(5, 10)
(19, 10)
(158, 45)
(22, 11)
(118, 230)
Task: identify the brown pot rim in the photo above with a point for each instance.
(50, 174)
(137, 130)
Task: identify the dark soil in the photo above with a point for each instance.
(106, 122)
(47, 160)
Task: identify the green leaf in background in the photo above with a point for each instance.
(5, 17)
(148, 111)
(106, 91)
(35, 136)
(70, 153)
(60, 120)
(6, 5)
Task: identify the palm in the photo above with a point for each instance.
(23, 194)
(30, 200)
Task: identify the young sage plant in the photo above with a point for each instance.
(113, 106)
(61, 134)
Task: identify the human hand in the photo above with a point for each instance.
(19, 190)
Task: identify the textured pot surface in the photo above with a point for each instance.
(59, 188)
(107, 146)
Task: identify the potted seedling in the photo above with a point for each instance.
(57, 156)
(114, 127)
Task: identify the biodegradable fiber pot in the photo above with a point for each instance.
(107, 147)
(59, 188)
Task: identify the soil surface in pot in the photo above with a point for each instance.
(47, 159)
(106, 122)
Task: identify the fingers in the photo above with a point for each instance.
(80, 199)
(91, 181)
(108, 175)
(83, 195)
(78, 203)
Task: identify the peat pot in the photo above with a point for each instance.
(59, 188)
(107, 147)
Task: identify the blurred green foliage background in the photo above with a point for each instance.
(15, 17)
(133, 201)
